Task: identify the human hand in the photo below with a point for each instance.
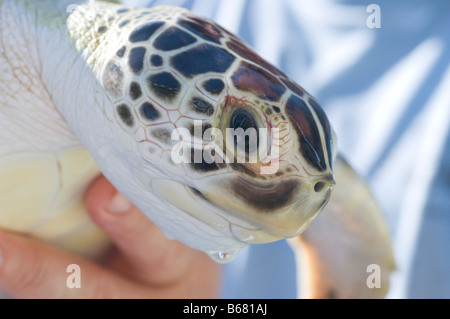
(144, 264)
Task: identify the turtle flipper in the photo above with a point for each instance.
(346, 252)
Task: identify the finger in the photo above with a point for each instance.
(32, 269)
(145, 253)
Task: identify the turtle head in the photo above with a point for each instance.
(217, 146)
(266, 159)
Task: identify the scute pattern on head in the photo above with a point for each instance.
(113, 79)
(176, 52)
(149, 112)
(145, 31)
(164, 85)
(253, 79)
(136, 59)
(173, 38)
(214, 86)
(206, 30)
(135, 91)
(308, 134)
(202, 59)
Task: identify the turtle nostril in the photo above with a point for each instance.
(319, 186)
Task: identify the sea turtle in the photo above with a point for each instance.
(218, 147)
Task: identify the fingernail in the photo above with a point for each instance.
(119, 204)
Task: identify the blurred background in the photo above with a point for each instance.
(386, 91)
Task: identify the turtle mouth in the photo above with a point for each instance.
(200, 195)
(225, 229)
(266, 198)
(240, 229)
(283, 209)
(232, 218)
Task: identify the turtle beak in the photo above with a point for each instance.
(283, 209)
(248, 212)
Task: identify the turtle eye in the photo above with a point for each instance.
(245, 131)
(243, 119)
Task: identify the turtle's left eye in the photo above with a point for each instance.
(245, 130)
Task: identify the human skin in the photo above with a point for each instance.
(142, 264)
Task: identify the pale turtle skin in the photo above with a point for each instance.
(90, 87)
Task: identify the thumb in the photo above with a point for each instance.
(144, 252)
